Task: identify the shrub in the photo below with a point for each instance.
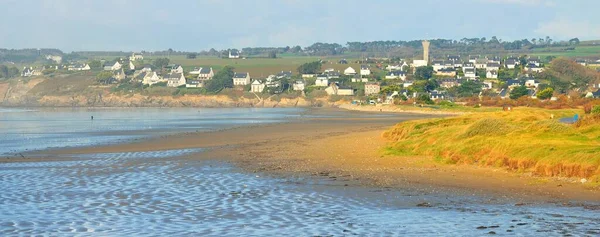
(445, 103)
(317, 94)
(596, 109)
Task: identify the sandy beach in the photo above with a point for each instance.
(350, 149)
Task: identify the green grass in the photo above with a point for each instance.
(524, 140)
(580, 51)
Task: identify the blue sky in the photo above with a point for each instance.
(194, 25)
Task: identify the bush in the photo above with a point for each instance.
(335, 98)
(596, 109)
(317, 94)
(445, 103)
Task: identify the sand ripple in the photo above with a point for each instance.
(140, 193)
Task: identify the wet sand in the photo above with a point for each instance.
(349, 149)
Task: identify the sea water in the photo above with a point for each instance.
(23, 130)
(153, 193)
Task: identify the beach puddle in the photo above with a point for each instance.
(142, 193)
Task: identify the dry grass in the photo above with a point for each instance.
(524, 140)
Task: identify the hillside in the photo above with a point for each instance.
(82, 91)
(524, 140)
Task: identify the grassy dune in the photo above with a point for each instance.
(525, 140)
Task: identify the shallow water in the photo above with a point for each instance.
(156, 193)
(149, 193)
(23, 130)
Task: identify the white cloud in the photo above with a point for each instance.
(564, 29)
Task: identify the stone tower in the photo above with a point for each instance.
(425, 50)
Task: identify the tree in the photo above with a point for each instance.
(518, 92)
(104, 77)
(272, 54)
(191, 56)
(310, 68)
(424, 98)
(574, 41)
(3, 71)
(95, 64)
(13, 72)
(221, 80)
(545, 93)
(424, 72)
(468, 89)
(161, 62)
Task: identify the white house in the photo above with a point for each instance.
(396, 75)
(195, 71)
(257, 86)
(241, 78)
(175, 68)
(322, 80)
(193, 83)
(151, 78)
(492, 74)
(175, 79)
(532, 83)
(438, 65)
(350, 71)
(534, 60)
(135, 57)
(334, 89)
(372, 88)
(487, 85)
(79, 67)
(492, 67)
(55, 58)
(481, 63)
(470, 73)
(534, 68)
(365, 70)
(419, 63)
(110, 66)
(131, 65)
(298, 85)
(406, 84)
(234, 54)
(510, 63)
(396, 67)
(27, 72)
(205, 73)
(473, 58)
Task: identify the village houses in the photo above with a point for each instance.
(150, 78)
(350, 71)
(372, 88)
(298, 85)
(135, 57)
(257, 86)
(79, 67)
(365, 70)
(396, 75)
(322, 80)
(175, 79)
(241, 78)
(112, 66)
(234, 54)
(175, 68)
(335, 89)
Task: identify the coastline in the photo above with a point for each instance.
(349, 149)
(396, 109)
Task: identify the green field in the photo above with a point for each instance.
(257, 67)
(580, 51)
